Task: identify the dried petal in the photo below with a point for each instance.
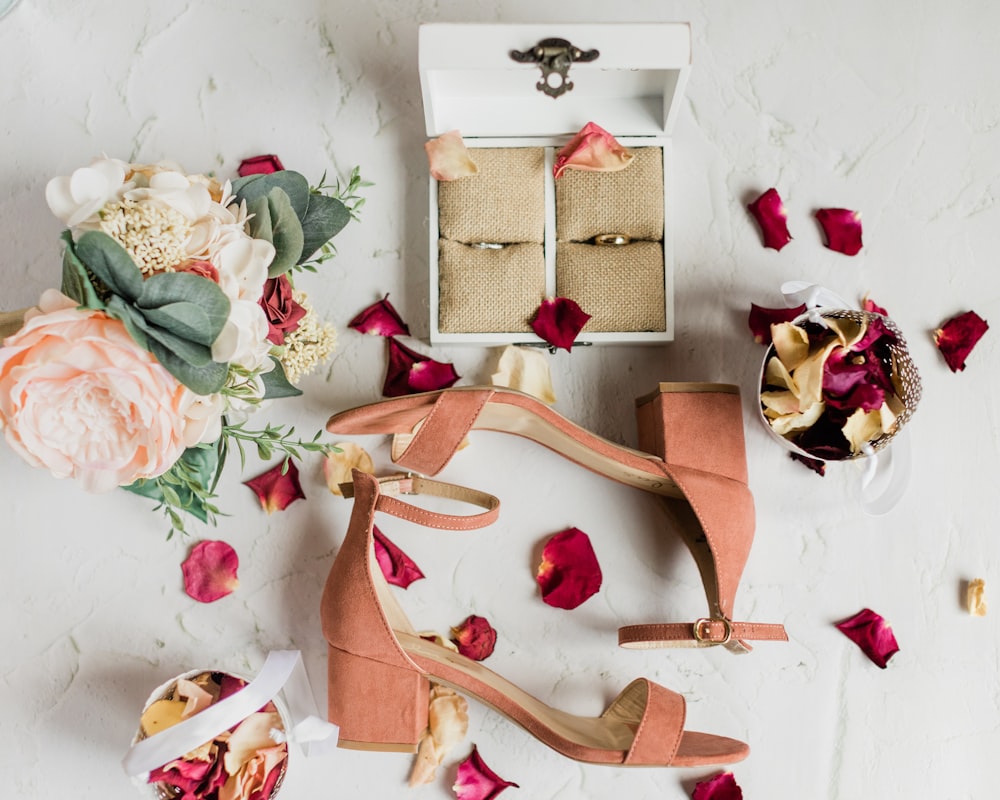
(527, 370)
(160, 715)
(593, 149)
(476, 781)
(260, 165)
(259, 731)
(380, 319)
(197, 699)
(761, 319)
(975, 597)
(210, 571)
(861, 428)
(872, 634)
(338, 464)
(722, 787)
(870, 306)
(447, 725)
(956, 338)
(569, 572)
(842, 228)
(276, 490)
(397, 567)
(769, 211)
(449, 158)
(815, 464)
(475, 638)
(409, 372)
(791, 343)
(559, 321)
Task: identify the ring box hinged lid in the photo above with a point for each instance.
(632, 88)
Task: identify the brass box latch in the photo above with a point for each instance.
(553, 57)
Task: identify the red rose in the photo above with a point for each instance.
(282, 312)
(259, 165)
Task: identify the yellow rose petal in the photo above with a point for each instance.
(862, 427)
(791, 344)
(790, 423)
(161, 715)
(975, 599)
(337, 466)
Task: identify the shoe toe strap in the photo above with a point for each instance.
(704, 632)
(656, 714)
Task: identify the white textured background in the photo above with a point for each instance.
(892, 109)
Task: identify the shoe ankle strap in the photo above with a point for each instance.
(393, 485)
(704, 632)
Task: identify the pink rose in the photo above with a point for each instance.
(283, 313)
(79, 397)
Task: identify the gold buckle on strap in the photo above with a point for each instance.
(702, 630)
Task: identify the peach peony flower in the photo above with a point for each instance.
(79, 397)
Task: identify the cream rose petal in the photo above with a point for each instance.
(777, 374)
(196, 698)
(337, 466)
(975, 597)
(449, 158)
(861, 427)
(527, 370)
(447, 726)
(790, 423)
(791, 344)
(781, 403)
(253, 734)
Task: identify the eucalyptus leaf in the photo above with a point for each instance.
(76, 283)
(325, 218)
(276, 383)
(193, 353)
(290, 182)
(111, 264)
(130, 318)
(287, 235)
(260, 222)
(204, 380)
(188, 304)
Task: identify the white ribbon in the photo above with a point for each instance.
(282, 671)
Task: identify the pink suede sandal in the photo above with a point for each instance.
(695, 460)
(380, 669)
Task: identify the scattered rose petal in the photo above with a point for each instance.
(815, 464)
(380, 319)
(337, 466)
(722, 787)
(569, 572)
(447, 725)
(399, 569)
(559, 321)
(475, 638)
(449, 157)
(409, 372)
(277, 491)
(527, 370)
(260, 165)
(593, 149)
(842, 228)
(761, 319)
(869, 305)
(872, 634)
(769, 211)
(476, 781)
(210, 571)
(975, 597)
(956, 338)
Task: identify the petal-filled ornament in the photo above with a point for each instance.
(476, 781)
(260, 165)
(761, 319)
(559, 321)
(210, 571)
(447, 724)
(722, 787)
(278, 487)
(569, 572)
(527, 370)
(593, 149)
(769, 211)
(449, 158)
(815, 464)
(397, 567)
(872, 634)
(842, 228)
(475, 638)
(338, 464)
(409, 372)
(956, 338)
(380, 319)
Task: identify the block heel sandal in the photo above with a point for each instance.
(380, 669)
(694, 457)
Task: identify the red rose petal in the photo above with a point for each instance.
(872, 634)
(769, 211)
(869, 305)
(956, 338)
(761, 319)
(815, 464)
(282, 312)
(409, 372)
(476, 781)
(277, 491)
(399, 569)
(569, 572)
(842, 228)
(210, 571)
(259, 165)
(559, 321)
(722, 787)
(475, 638)
(380, 319)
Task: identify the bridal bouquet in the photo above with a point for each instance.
(177, 316)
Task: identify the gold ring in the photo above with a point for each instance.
(612, 239)
(487, 245)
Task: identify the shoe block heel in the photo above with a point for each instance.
(377, 706)
(695, 425)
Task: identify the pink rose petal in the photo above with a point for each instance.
(476, 781)
(380, 319)
(842, 228)
(399, 569)
(260, 165)
(559, 321)
(475, 638)
(409, 372)
(449, 158)
(210, 571)
(869, 305)
(277, 491)
(722, 787)
(761, 319)
(956, 338)
(569, 572)
(815, 464)
(769, 211)
(592, 149)
(872, 634)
